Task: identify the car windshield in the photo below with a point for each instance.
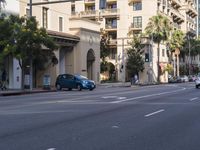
(81, 77)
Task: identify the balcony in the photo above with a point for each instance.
(132, 1)
(192, 11)
(89, 14)
(111, 1)
(176, 25)
(176, 15)
(110, 12)
(112, 42)
(89, 2)
(191, 31)
(176, 3)
(191, 20)
(135, 27)
(111, 27)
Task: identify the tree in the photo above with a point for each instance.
(176, 43)
(135, 62)
(104, 51)
(27, 43)
(158, 28)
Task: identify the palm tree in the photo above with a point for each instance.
(176, 43)
(158, 28)
(2, 4)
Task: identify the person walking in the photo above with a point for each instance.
(3, 78)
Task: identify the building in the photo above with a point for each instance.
(78, 38)
(123, 18)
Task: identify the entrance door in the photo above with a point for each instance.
(90, 62)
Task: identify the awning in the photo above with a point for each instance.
(64, 39)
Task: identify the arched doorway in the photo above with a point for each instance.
(90, 62)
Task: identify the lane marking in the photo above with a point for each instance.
(153, 113)
(145, 96)
(195, 98)
(51, 149)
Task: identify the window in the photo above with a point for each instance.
(45, 17)
(102, 4)
(60, 24)
(113, 53)
(137, 22)
(163, 52)
(112, 23)
(73, 9)
(137, 6)
(27, 12)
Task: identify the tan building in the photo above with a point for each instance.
(78, 38)
(121, 19)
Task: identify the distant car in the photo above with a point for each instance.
(197, 81)
(184, 78)
(74, 82)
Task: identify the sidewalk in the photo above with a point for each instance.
(10, 92)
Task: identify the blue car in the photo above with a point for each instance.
(74, 82)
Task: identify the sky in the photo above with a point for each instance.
(12, 5)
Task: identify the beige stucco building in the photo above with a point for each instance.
(80, 23)
(78, 39)
(123, 18)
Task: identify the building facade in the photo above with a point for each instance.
(123, 18)
(78, 40)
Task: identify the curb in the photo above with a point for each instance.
(10, 93)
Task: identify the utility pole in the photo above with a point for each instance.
(189, 59)
(123, 66)
(31, 58)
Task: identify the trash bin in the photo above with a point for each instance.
(46, 82)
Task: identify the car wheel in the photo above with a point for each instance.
(69, 89)
(197, 86)
(91, 89)
(79, 87)
(58, 87)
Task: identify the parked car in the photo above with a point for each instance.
(174, 80)
(74, 82)
(197, 81)
(184, 78)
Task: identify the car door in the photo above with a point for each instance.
(70, 81)
(64, 81)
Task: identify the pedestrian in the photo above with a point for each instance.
(3, 78)
(136, 78)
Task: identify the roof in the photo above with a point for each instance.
(63, 35)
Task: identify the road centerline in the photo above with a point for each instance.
(153, 113)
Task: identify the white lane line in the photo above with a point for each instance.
(153, 113)
(145, 96)
(51, 149)
(195, 98)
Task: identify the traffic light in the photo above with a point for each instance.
(146, 57)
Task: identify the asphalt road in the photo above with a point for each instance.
(161, 117)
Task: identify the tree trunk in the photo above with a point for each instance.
(178, 74)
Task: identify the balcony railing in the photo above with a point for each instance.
(109, 12)
(89, 1)
(177, 3)
(136, 26)
(89, 13)
(111, 26)
(178, 16)
(131, 1)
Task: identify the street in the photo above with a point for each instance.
(158, 117)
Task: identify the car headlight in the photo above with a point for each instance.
(85, 82)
